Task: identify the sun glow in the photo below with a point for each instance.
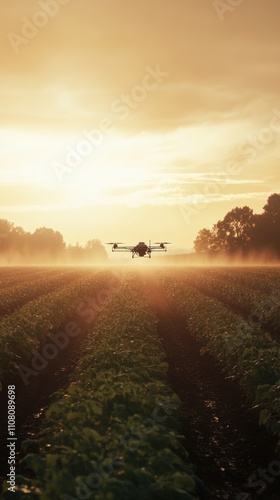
(168, 145)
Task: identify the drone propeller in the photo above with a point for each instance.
(162, 243)
(114, 243)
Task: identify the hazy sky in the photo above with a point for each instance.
(135, 119)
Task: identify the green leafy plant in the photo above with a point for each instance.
(115, 432)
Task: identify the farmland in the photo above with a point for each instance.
(145, 382)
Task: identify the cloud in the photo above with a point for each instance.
(222, 86)
(217, 71)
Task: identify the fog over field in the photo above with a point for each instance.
(140, 250)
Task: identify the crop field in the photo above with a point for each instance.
(145, 382)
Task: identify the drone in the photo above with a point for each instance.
(141, 249)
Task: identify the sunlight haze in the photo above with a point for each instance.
(134, 120)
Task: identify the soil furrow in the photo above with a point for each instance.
(222, 434)
(33, 399)
(240, 311)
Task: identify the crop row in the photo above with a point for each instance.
(15, 275)
(244, 352)
(27, 328)
(260, 310)
(265, 280)
(16, 296)
(114, 432)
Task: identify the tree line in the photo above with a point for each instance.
(242, 232)
(45, 245)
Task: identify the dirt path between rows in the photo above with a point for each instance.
(57, 281)
(34, 397)
(240, 311)
(222, 434)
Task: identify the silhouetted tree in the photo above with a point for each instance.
(95, 251)
(18, 242)
(234, 232)
(5, 226)
(267, 226)
(92, 252)
(272, 208)
(229, 235)
(5, 230)
(47, 242)
(75, 253)
(242, 231)
(18, 246)
(205, 241)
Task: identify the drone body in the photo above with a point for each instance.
(141, 249)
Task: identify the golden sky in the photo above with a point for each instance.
(135, 119)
